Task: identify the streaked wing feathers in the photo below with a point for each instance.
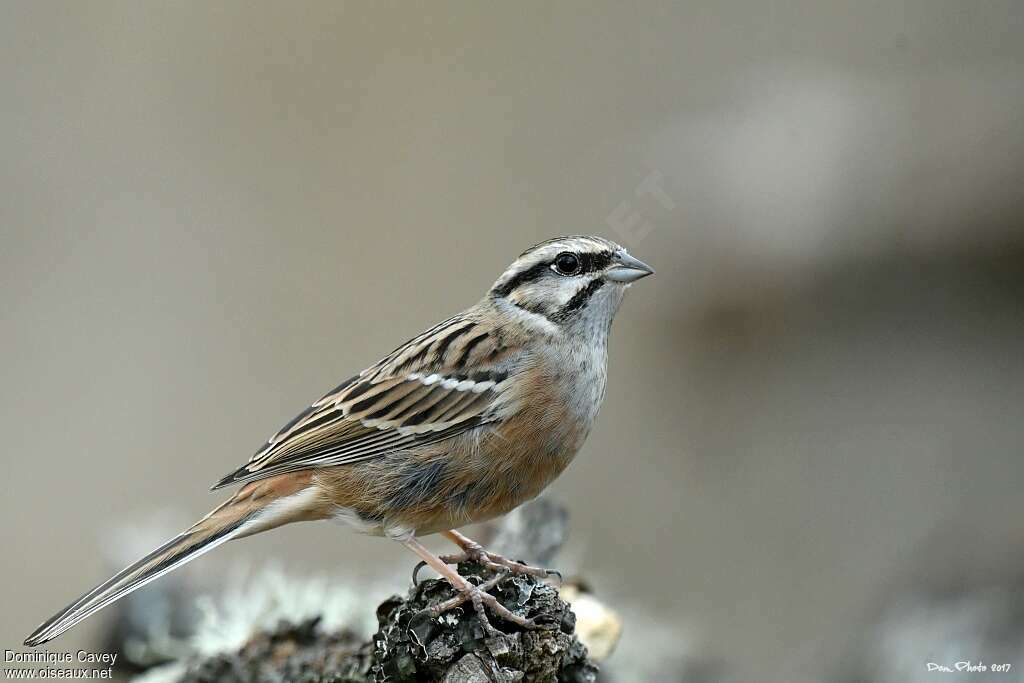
(419, 394)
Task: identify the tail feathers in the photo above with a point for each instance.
(257, 507)
(170, 556)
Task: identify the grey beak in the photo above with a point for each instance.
(627, 269)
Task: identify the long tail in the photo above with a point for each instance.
(256, 507)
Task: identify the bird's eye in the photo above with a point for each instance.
(567, 263)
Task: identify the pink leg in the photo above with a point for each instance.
(478, 595)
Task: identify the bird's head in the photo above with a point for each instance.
(574, 282)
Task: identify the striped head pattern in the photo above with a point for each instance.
(572, 282)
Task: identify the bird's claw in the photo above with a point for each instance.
(416, 571)
(481, 600)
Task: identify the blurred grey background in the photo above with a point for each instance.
(212, 212)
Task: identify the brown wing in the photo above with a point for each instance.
(420, 394)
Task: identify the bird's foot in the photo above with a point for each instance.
(481, 599)
(493, 561)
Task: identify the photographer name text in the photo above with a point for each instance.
(968, 667)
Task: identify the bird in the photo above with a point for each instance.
(461, 424)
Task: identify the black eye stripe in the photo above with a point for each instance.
(535, 272)
(598, 261)
(589, 262)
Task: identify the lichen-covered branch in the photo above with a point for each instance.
(411, 646)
